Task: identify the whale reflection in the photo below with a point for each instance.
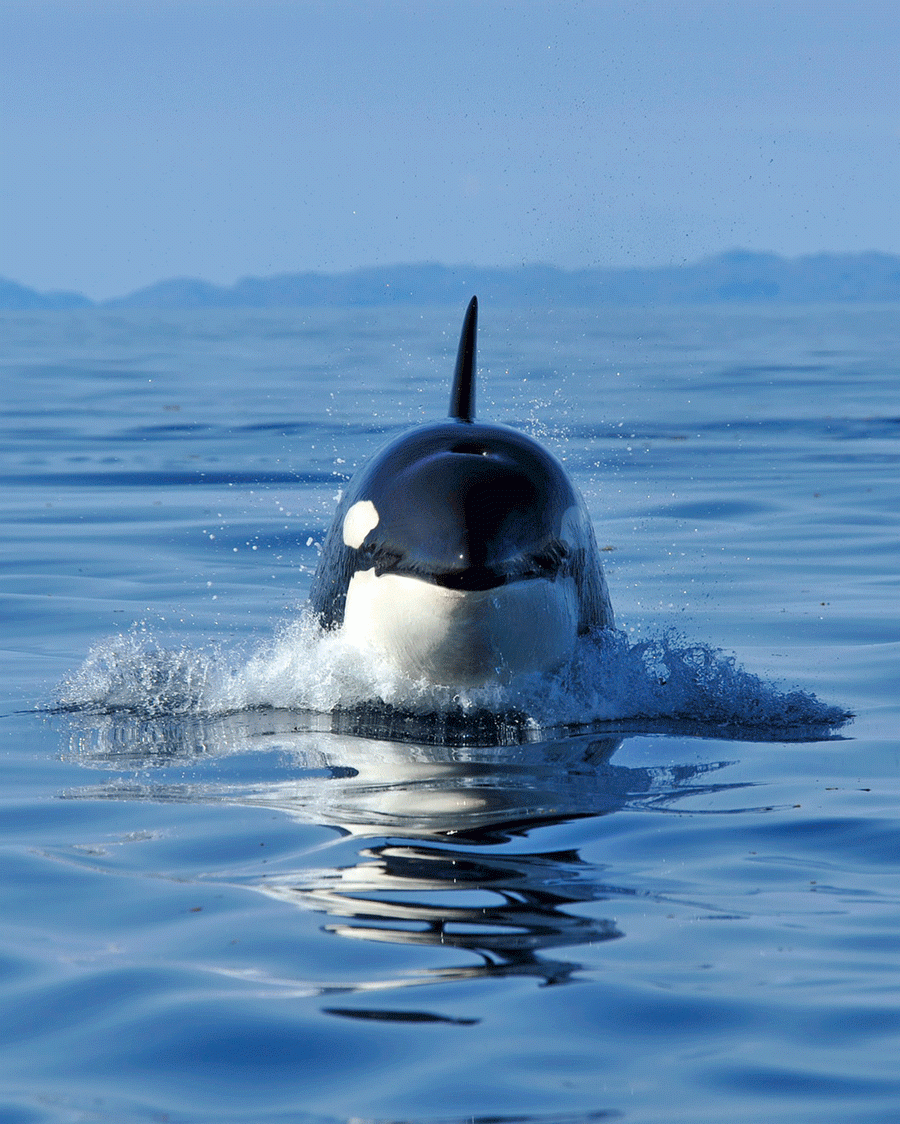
(433, 866)
(504, 909)
(308, 767)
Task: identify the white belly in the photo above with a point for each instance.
(458, 637)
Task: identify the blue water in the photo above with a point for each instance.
(249, 877)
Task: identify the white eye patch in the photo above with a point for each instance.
(572, 530)
(358, 521)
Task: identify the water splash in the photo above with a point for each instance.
(302, 668)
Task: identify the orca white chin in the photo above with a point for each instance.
(465, 638)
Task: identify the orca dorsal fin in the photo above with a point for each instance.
(462, 397)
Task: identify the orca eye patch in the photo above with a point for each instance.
(358, 521)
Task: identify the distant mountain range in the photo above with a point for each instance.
(735, 276)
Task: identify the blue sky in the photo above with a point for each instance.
(148, 139)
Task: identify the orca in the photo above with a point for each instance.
(462, 551)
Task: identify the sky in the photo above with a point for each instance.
(142, 140)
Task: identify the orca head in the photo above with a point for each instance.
(462, 549)
(463, 506)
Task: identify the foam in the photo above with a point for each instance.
(303, 668)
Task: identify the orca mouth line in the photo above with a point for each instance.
(544, 564)
(477, 579)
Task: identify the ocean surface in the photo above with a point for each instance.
(251, 875)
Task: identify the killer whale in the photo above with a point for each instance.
(462, 551)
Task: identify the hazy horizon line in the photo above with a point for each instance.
(734, 257)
